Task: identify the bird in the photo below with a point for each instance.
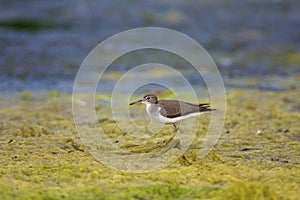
(171, 111)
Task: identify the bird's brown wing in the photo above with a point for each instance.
(172, 108)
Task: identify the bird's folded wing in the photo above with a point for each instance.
(172, 108)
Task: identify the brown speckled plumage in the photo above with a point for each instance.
(173, 108)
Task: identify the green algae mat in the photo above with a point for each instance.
(256, 157)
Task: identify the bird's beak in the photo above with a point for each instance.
(136, 102)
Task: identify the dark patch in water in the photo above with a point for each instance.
(32, 25)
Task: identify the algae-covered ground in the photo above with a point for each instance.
(256, 157)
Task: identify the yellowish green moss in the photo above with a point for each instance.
(257, 156)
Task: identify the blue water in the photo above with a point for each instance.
(43, 43)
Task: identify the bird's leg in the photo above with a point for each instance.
(175, 128)
(173, 135)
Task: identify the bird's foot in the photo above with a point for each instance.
(166, 142)
(170, 143)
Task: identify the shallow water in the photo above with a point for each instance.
(48, 55)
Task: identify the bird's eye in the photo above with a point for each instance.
(148, 98)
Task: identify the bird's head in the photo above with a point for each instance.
(147, 99)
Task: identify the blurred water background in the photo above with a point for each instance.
(255, 44)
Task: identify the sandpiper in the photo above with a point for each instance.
(171, 111)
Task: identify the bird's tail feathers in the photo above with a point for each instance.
(205, 107)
